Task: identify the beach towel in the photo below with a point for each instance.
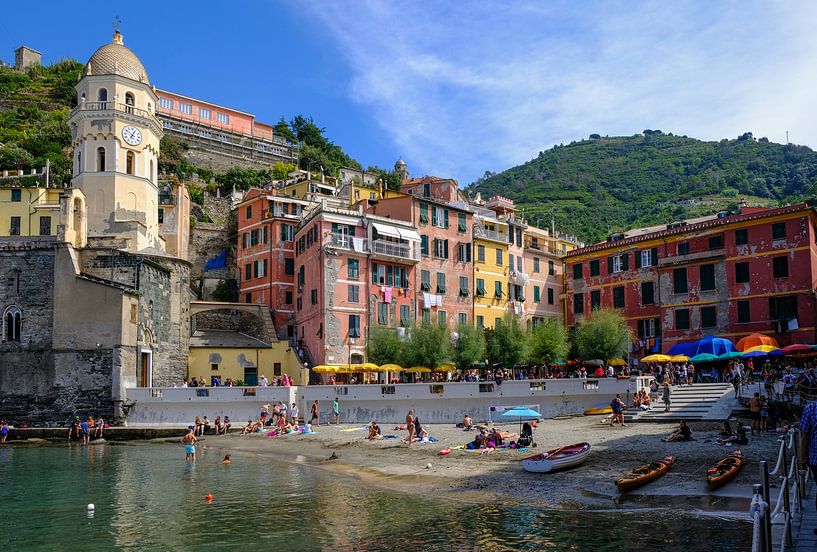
(355, 429)
(388, 437)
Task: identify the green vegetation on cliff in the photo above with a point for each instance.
(602, 185)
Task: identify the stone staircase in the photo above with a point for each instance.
(702, 401)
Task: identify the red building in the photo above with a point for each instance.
(728, 275)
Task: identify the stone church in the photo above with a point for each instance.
(103, 303)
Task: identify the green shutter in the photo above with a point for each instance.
(424, 213)
(445, 218)
(445, 247)
(374, 273)
(424, 245)
(536, 293)
(434, 221)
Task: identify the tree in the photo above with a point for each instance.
(391, 180)
(384, 346)
(430, 345)
(280, 171)
(506, 344)
(243, 179)
(548, 342)
(15, 157)
(469, 347)
(282, 129)
(603, 335)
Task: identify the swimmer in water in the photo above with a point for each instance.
(227, 459)
(189, 442)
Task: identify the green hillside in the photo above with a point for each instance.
(598, 186)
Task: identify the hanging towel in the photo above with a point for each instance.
(387, 294)
(794, 324)
(428, 302)
(357, 244)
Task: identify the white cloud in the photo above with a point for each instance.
(466, 86)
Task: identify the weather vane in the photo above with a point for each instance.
(117, 22)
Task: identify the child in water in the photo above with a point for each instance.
(227, 459)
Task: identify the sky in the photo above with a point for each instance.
(458, 88)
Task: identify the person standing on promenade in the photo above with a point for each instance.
(808, 441)
(314, 414)
(665, 396)
(410, 427)
(294, 413)
(336, 411)
(264, 413)
(754, 412)
(189, 442)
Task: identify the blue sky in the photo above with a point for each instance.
(457, 88)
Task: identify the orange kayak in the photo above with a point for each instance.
(644, 474)
(724, 470)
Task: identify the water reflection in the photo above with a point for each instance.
(148, 498)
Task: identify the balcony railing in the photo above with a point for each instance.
(344, 241)
(392, 249)
(115, 106)
(489, 234)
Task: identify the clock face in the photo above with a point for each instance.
(132, 135)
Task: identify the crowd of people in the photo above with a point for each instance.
(86, 430)
(283, 380)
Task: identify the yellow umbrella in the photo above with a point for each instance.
(656, 358)
(418, 369)
(326, 369)
(365, 367)
(446, 367)
(617, 362)
(678, 358)
(391, 368)
(762, 349)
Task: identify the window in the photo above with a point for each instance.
(165, 103)
(354, 325)
(551, 268)
(353, 269)
(462, 319)
(464, 287)
(550, 296)
(683, 248)
(405, 315)
(780, 267)
(578, 303)
(130, 162)
(681, 319)
(214, 366)
(480, 322)
(497, 322)
(783, 308)
(595, 299)
(716, 242)
(129, 101)
(536, 294)
(13, 321)
(260, 268)
(102, 95)
(498, 257)
(186, 108)
(383, 313)
(481, 253)
(442, 318)
(299, 303)
(461, 225)
(646, 328)
(595, 268)
(779, 231)
(464, 252)
(618, 297)
(480, 287)
(204, 113)
(16, 196)
(742, 236)
(577, 271)
(289, 266)
(519, 267)
(519, 237)
(14, 226)
(223, 118)
(100, 159)
(441, 282)
(707, 277)
(313, 295)
(646, 258)
(741, 273)
(424, 246)
(45, 226)
(288, 297)
(425, 280)
(618, 263)
(248, 271)
(708, 317)
(248, 298)
(647, 293)
(424, 213)
(161, 216)
(743, 312)
(498, 289)
(536, 264)
(679, 280)
(439, 217)
(510, 262)
(426, 315)
(287, 232)
(254, 237)
(245, 240)
(353, 293)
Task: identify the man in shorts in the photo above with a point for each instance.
(618, 407)
(336, 410)
(754, 412)
(808, 440)
(189, 442)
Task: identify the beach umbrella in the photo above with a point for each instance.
(418, 369)
(326, 369)
(656, 358)
(796, 348)
(391, 368)
(446, 367)
(704, 357)
(730, 355)
(522, 413)
(765, 349)
(364, 367)
(617, 362)
(755, 340)
(559, 362)
(595, 362)
(679, 358)
(710, 344)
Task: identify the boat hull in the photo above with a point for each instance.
(557, 459)
(628, 482)
(724, 470)
(598, 411)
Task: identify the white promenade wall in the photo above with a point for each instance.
(432, 402)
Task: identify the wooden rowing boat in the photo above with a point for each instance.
(724, 470)
(557, 459)
(644, 474)
(598, 411)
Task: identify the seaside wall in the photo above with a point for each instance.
(432, 402)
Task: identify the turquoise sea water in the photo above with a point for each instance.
(147, 498)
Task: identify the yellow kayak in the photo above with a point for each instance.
(598, 411)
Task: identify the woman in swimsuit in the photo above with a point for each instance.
(410, 426)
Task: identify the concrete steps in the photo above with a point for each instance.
(702, 401)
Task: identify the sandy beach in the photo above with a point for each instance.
(471, 476)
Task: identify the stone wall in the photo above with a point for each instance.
(26, 283)
(235, 321)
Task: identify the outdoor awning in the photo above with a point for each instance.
(408, 234)
(386, 230)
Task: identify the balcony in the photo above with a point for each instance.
(484, 233)
(395, 250)
(344, 241)
(116, 106)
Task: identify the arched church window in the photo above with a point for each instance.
(102, 95)
(130, 162)
(130, 102)
(12, 323)
(100, 159)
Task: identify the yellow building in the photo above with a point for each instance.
(230, 354)
(28, 211)
(491, 270)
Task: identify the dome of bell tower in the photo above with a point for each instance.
(115, 58)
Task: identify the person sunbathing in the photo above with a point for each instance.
(251, 427)
(374, 432)
(467, 423)
(737, 439)
(683, 433)
(419, 432)
(726, 430)
(478, 442)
